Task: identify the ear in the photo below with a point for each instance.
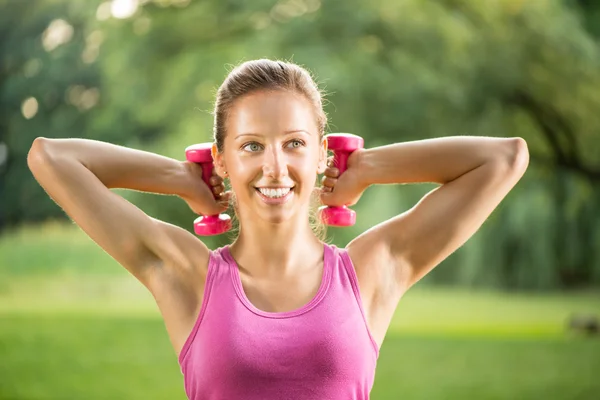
(218, 161)
(322, 156)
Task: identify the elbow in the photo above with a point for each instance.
(38, 153)
(513, 155)
(43, 155)
(519, 154)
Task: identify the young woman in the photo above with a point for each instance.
(279, 313)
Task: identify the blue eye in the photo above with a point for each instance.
(255, 148)
(300, 143)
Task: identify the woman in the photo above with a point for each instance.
(278, 313)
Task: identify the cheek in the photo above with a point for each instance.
(310, 178)
(241, 183)
(238, 177)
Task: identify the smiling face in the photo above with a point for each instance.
(272, 154)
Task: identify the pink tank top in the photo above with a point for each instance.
(322, 350)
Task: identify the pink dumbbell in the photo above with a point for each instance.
(342, 145)
(207, 225)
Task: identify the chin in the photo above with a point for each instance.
(276, 218)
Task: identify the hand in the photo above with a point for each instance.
(205, 199)
(344, 190)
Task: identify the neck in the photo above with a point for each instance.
(276, 250)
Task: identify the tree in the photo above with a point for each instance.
(394, 71)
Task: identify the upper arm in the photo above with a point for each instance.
(138, 242)
(414, 242)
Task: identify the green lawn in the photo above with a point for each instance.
(71, 356)
(74, 325)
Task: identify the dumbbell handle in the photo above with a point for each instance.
(340, 160)
(342, 145)
(207, 225)
(207, 170)
(200, 154)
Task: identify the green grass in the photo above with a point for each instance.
(102, 338)
(52, 249)
(483, 368)
(76, 356)
(86, 357)
(75, 325)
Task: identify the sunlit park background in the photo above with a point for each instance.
(511, 315)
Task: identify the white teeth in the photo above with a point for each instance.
(274, 192)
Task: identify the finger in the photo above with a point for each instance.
(215, 180)
(330, 161)
(217, 190)
(224, 198)
(329, 182)
(326, 189)
(332, 172)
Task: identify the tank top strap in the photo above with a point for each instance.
(346, 281)
(328, 265)
(217, 274)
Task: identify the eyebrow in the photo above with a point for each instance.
(286, 133)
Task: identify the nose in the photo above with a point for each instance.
(275, 163)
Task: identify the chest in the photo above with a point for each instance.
(303, 347)
(292, 294)
(283, 295)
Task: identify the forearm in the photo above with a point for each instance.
(439, 160)
(117, 166)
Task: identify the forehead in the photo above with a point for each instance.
(271, 113)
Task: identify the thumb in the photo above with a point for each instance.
(219, 204)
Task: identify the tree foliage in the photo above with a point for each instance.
(394, 71)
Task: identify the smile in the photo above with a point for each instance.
(275, 196)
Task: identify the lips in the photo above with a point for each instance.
(276, 200)
(275, 192)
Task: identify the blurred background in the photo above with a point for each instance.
(513, 314)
